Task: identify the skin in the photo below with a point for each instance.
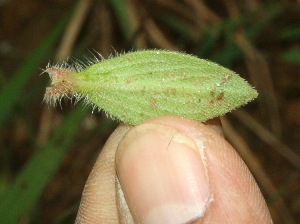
(171, 170)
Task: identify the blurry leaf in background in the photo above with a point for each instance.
(119, 7)
(292, 55)
(18, 197)
(28, 186)
(291, 34)
(11, 92)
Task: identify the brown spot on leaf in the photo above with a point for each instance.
(153, 103)
(213, 103)
(172, 91)
(224, 80)
(220, 96)
(173, 75)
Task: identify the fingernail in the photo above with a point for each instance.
(162, 175)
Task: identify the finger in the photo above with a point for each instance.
(175, 170)
(98, 203)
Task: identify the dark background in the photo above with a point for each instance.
(47, 153)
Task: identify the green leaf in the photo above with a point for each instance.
(292, 56)
(291, 33)
(121, 13)
(140, 85)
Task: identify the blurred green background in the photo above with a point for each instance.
(46, 154)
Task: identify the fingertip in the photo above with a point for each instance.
(162, 174)
(224, 176)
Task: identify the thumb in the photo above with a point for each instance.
(174, 170)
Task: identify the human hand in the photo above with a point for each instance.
(171, 170)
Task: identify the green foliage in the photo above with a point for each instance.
(291, 33)
(292, 56)
(22, 194)
(140, 85)
(29, 184)
(121, 13)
